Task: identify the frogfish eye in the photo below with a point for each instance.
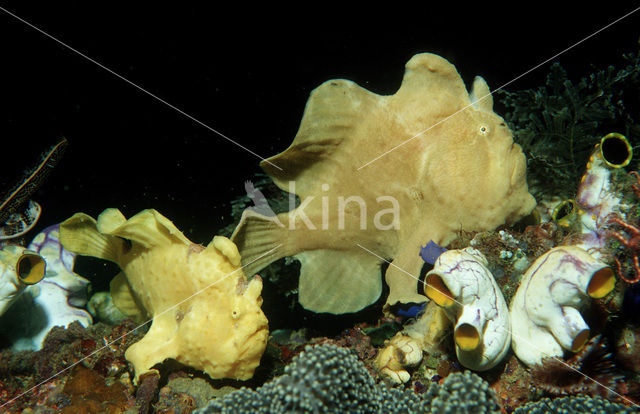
(484, 130)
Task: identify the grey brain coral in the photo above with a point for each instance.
(574, 405)
(330, 379)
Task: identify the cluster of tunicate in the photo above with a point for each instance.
(574, 405)
(321, 379)
(330, 379)
(244, 400)
(399, 401)
(461, 393)
(324, 379)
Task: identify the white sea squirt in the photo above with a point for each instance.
(462, 284)
(545, 309)
(598, 199)
(57, 300)
(19, 268)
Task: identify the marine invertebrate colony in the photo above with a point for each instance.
(19, 268)
(545, 316)
(597, 198)
(321, 379)
(324, 379)
(574, 405)
(329, 379)
(441, 180)
(461, 393)
(206, 314)
(462, 284)
(56, 301)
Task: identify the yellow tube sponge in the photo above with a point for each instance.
(206, 314)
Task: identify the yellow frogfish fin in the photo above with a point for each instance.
(125, 300)
(227, 248)
(480, 95)
(147, 228)
(79, 234)
(158, 344)
(338, 281)
(402, 274)
(432, 84)
(334, 112)
(109, 220)
(261, 240)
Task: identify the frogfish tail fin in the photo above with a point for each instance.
(261, 240)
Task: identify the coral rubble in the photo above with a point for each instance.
(88, 393)
(37, 378)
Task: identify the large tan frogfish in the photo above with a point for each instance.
(379, 176)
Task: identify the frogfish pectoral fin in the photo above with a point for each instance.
(336, 281)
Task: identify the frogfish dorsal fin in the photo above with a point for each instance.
(147, 228)
(334, 110)
(433, 85)
(79, 234)
(109, 237)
